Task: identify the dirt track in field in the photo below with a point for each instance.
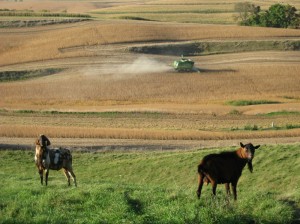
(101, 145)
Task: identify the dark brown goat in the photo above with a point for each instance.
(225, 168)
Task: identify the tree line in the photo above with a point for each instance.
(278, 15)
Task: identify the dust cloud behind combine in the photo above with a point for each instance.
(143, 65)
(123, 70)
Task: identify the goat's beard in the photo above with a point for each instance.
(250, 167)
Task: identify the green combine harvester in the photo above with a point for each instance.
(183, 65)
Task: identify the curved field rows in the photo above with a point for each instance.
(100, 74)
(24, 46)
(106, 82)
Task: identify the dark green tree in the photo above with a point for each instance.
(282, 16)
(278, 15)
(245, 10)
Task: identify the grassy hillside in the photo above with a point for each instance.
(149, 187)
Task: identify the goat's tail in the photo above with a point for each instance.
(201, 171)
(201, 168)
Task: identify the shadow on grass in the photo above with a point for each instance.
(219, 209)
(293, 204)
(134, 205)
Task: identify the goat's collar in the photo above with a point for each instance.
(241, 154)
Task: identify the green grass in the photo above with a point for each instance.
(251, 128)
(255, 127)
(205, 11)
(292, 126)
(31, 13)
(149, 187)
(8, 76)
(250, 102)
(283, 113)
(133, 18)
(218, 47)
(105, 114)
(38, 22)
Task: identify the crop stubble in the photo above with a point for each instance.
(88, 85)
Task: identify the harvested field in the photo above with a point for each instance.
(107, 83)
(203, 11)
(208, 12)
(19, 46)
(53, 6)
(98, 72)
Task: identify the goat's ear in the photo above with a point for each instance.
(256, 147)
(41, 140)
(37, 142)
(47, 141)
(242, 145)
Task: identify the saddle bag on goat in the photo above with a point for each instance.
(58, 157)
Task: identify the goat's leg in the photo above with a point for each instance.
(214, 187)
(200, 184)
(234, 184)
(41, 173)
(227, 187)
(67, 176)
(47, 174)
(73, 176)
